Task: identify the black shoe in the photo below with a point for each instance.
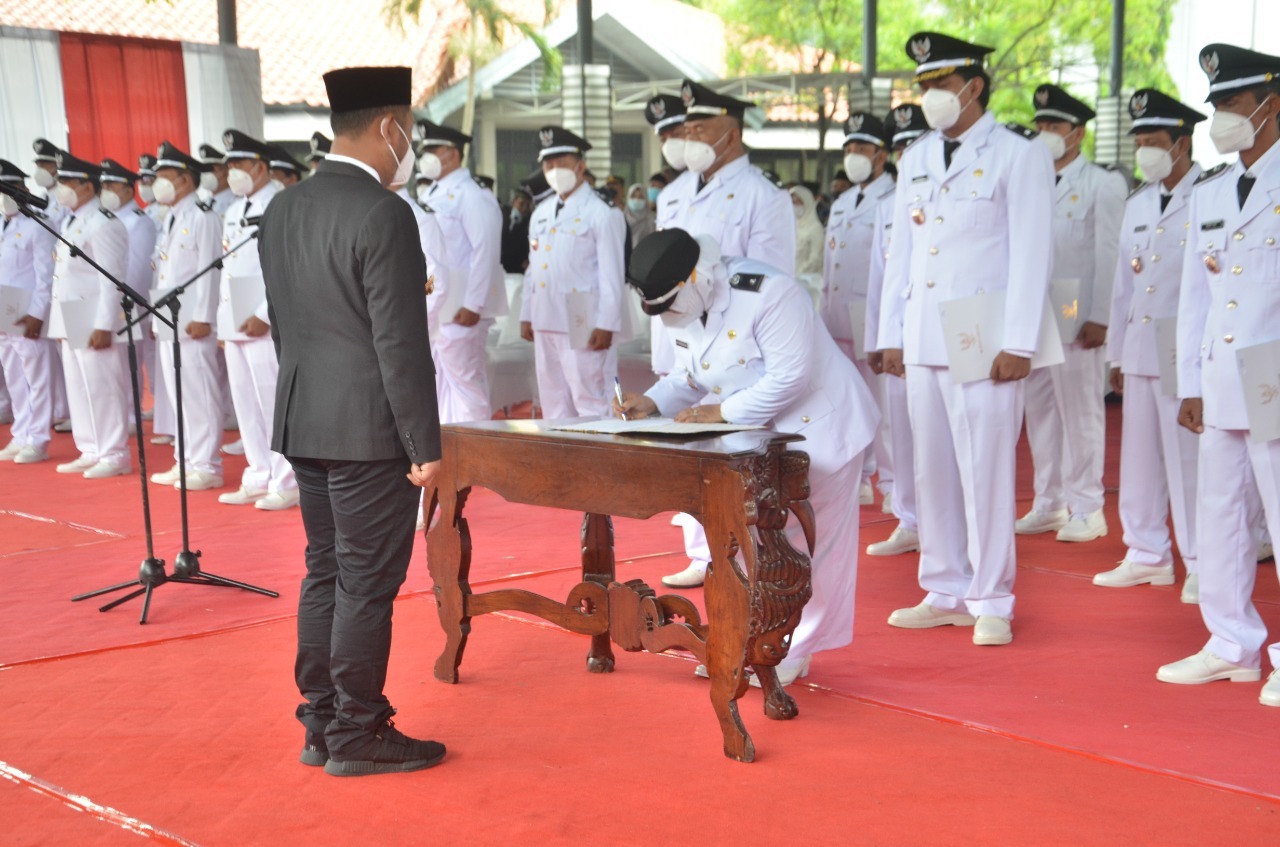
(314, 751)
(388, 751)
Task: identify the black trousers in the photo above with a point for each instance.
(359, 518)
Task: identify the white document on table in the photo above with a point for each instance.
(244, 294)
(1167, 355)
(580, 307)
(651, 426)
(1064, 295)
(1260, 377)
(858, 323)
(75, 321)
(162, 329)
(974, 330)
(14, 303)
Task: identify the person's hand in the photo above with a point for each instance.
(600, 339)
(100, 339)
(1010, 367)
(635, 406)
(1191, 415)
(893, 362)
(424, 476)
(1117, 380)
(709, 413)
(1092, 335)
(196, 329)
(875, 361)
(31, 326)
(255, 328)
(526, 330)
(466, 317)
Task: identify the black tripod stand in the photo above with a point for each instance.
(186, 565)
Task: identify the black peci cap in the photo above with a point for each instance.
(352, 89)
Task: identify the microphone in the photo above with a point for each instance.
(22, 196)
(253, 221)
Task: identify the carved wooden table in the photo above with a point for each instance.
(741, 486)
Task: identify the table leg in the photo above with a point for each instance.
(449, 560)
(598, 567)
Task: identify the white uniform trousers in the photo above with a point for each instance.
(896, 430)
(252, 369)
(145, 349)
(224, 386)
(61, 409)
(462, 380)
(6, 402)
(827, 620)
(164, 419)
(1230, 465)
(1157, 475)
(201, 401)
(876, 459)
(965, 439)
(28, 365)
(1066, 428)
(98, 397)
(573, 383)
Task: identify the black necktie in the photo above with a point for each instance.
(170, 229)
(702, 183)
(1057, 178)
(559, 206)
(1165, 198)
(948, 150)
(858, 202)
(6, 224)
(1244, 186)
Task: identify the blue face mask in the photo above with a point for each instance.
(653, 194)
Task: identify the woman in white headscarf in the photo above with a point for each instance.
(638, 214)
(809, 232)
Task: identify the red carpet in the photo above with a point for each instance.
(1064, 737)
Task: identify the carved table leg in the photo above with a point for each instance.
(778, 704)
(449, 560)
(598, 566)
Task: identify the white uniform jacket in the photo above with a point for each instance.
(767, 360)
(26, 262)
(103, 238)
(470, 223)
(1230, 295)
(190, 239)
(142, 244)
(1148, 274)
(881, 240)
(984, 224)
(1088, 206)
(245, 261)
(581, 249)
(846, 261)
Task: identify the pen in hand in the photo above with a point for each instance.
(617, 391)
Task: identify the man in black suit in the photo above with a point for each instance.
(355, 410)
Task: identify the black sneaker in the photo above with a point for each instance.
(314, 751)
(388, 751)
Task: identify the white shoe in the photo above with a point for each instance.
(925, 616)
(691, 577)
(63, 425)
(866, 495)
(1084, 527)
(105, 470)
(162, 439)
(992, 631)
(242, 497)
(278, 501)
(1270, 695)
(79, 465)
(7, 454)
(1034, 523)
(235, 448)
(1205, 667)
(168, 477)
(1265, 551)
(789, 670)
(1133, 573)
(30, 454)
(1191, 589)
(197, 481)
(902, 541)
(886, 505)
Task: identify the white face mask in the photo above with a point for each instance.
(147, 193)
(1056, 143)
(673, 152)
(429, 165)
(1232, 133)
(404, 164)
(66, 196)
(857, 167)
(240, 182)
(164, 190)
(562, 180)
(8, 205)
(110, 200)
(699, 155)
(209, 181)
(1156, 163)
(278, 184)
(43, 178)
(423, 191)
(941, 107)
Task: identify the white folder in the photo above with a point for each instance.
(974, 330)
(75, 321)
(244, 294)
(581, 309)
(1064, 294)
(858, 320)
(163, 332)
(1167, 355)
(14, 303)
(1260, 377)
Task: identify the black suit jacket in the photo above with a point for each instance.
(345, 278)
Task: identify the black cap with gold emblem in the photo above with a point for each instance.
(664, 111)
(210, 155)
(536, 186)
(146, 165)
(1153, 110)
(701, 102)
(70, 167)
(9, 172)
(170, 156)
(46, 151)
(320, 147)
(1055, 104)
(905, 123)
(1232, 68)
(659, 264)
(937, 55)
(113, 171)
(434, 135)
(556, 141)
(866, 127)
(244, 146)
(279, 159)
